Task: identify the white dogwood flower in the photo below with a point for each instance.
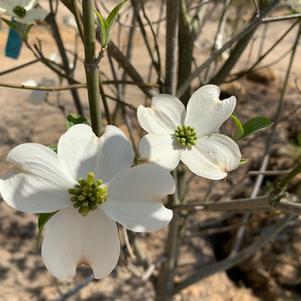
(91, 182)
(23, 11)
(191, 136)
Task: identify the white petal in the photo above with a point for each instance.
(115, 153)
(164, 115)
(221, 150)
(212, 157)
(33, 15)
(200, 165)
(40, 160)
(83, 152)
(160, 149)
(205, 112)
(8, 6)
(71, 239)
(29, 193)
(77, 148)
(29, 4)
(43, 184)
(134, 198)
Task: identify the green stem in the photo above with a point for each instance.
(91, 65)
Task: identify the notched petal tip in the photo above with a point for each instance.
(71, 240)
(206, 112)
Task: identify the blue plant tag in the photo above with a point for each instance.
(13, 44)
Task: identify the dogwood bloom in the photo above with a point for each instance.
(91, 182)
(23, 11)
(191, 136)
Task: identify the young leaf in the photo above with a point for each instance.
(243, 161)
(255, 125)
(103, 29)
(73, 119)
(239, 129)
(107, 24)
(113, 15)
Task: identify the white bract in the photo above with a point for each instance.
(191, 136)
(91, 182)
(23, 11)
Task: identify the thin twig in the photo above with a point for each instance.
(19, 67)
(242, 73)
(268, 172)
(256, 7)
(73, 291)
(268, 236)
(127, 243)
(249, 28)
(281, 18)
(44, 88)
(66, 66)
(269, 144)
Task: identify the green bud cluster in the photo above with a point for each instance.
(186, 135)
(88, 194)
(20, 11)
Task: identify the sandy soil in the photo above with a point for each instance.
(22, 274)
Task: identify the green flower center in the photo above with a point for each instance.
(186, 135)
(87, 194)
(20, 11)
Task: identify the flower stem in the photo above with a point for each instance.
(91, 65)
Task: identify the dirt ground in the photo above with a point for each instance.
(264, 277)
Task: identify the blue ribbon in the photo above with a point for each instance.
(13, 44)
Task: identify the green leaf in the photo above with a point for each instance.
(107, 24)
(243, 161)
(239, 129)
(255, 125)
(73, 119)
(113, 15)
(103, 29)
(43, 219)
(53, 147)
(252, 126)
